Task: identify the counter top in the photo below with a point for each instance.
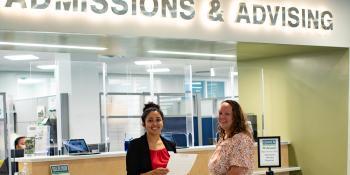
(277, 170)
(108, 154)
(70, 157)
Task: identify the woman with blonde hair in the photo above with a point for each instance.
(234, 153)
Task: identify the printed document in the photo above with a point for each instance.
(180, 163)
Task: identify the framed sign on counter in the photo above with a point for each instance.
(269, 152)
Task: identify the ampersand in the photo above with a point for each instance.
(214, 13)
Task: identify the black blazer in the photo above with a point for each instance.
(138, 158)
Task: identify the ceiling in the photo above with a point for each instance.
(121, 52)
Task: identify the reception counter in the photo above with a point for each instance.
(114, 162)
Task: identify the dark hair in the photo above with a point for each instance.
(17, 140)
(239, 121)
(150, 107)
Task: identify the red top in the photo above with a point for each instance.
(159, 158)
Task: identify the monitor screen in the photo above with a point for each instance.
(76, 146)
(17, 153)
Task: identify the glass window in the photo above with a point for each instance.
(215, 89)
(198, 88)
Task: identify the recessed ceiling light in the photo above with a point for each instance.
(158, 70)
(191, 54)
(21, 57)
(46, 67)
(149, 62)
(52, 46)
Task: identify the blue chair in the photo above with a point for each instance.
(180, 140)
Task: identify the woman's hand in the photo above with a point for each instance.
(235, 170)
(158, 171)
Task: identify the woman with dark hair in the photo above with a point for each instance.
(20, 143)
(148, 154)
(234, 153)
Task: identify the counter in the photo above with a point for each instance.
(114, 162)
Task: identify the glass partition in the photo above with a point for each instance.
(251, 97)
(82, 99)
(31, 109)
(124, 111)
(2, 126)
(172, 104)
(47, 102)
(137, 80)
(218, 81)
(106, 93)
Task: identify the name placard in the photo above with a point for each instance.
(269, 152)
(62, 169)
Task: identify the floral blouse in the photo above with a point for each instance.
(235, 151)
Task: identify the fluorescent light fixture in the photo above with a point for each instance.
(191, 54)
(212, 72)
(28, 81)
(149, 62)
(52, 46)
(47, 67)
(21, 57)
(195, 87)
(158, 70)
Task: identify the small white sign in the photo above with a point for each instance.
(269, 153)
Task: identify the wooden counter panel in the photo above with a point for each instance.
(108, 166)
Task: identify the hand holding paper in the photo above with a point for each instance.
(180, 164)
(160, 171)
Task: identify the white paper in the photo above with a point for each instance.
(180, 164)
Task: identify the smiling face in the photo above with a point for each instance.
(153, 123)
(225, 117)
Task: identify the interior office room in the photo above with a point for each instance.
(89, 78)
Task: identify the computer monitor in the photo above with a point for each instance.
(99, 147)
(76, 146)
(17, 153)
